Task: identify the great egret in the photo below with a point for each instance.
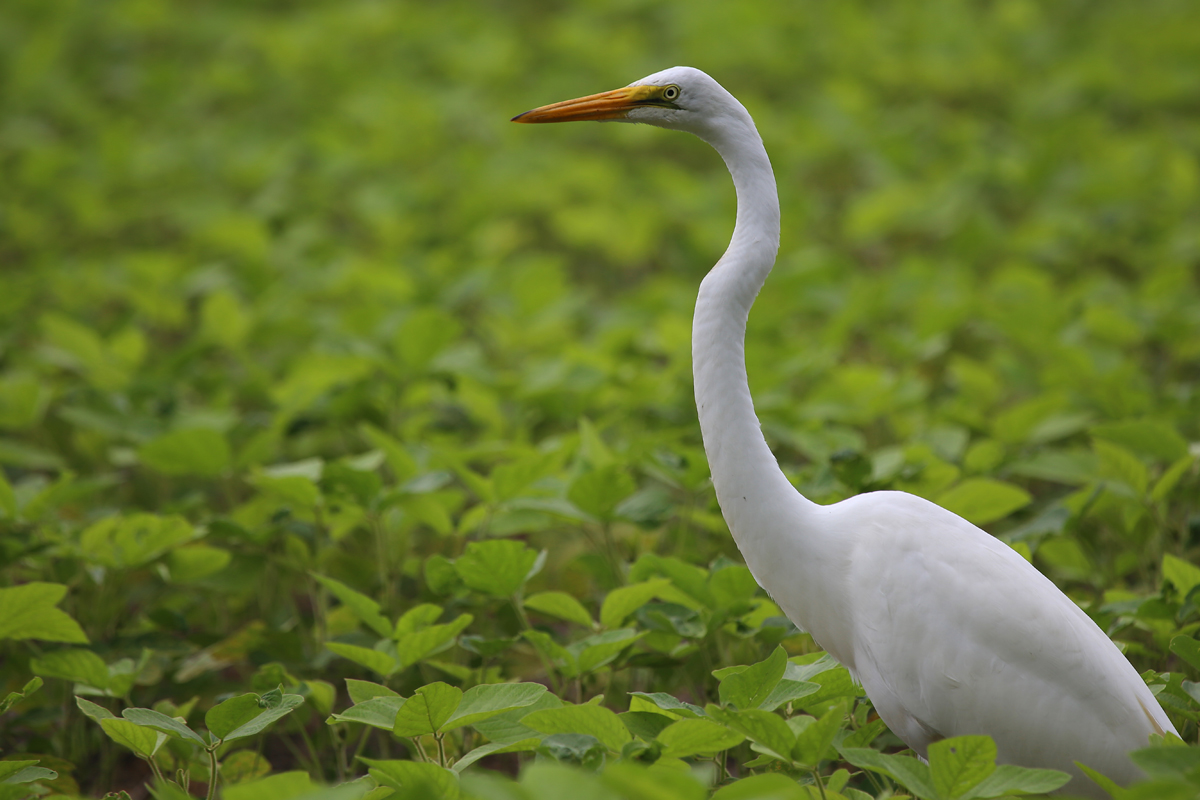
(950, 631)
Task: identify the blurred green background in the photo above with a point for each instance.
(233, 233)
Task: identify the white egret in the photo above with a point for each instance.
(949, 631)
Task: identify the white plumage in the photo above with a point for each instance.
(949, 631)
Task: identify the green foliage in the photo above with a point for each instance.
(317, 373)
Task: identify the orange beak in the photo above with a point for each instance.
(604, 106)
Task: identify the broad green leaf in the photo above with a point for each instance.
(200, 452)
(561, 605)
(599, 491)
(141, 740)
(787, 691)
(508, 726)
(812, 743)
(1182, 574)
(380, 663)
(417, 618)
(363, 607)
(161, 722)
(281, 786)
(669, 703)
(74, 664)
(488, 700)
(767, 729)
(1167, 761)
(591, 720)
(361, 691)
(121, 542)
(1188, 649)
(378, 712)
(620, 603)
(274, 706)
(957, 765)
(299, 492)
(401, 463)
(631, 781)
(427, 710)
(1119, 465)
(1170, 478)
(10, 768)
(223, 718)
(768, 786)
(646, 724)
(29, 775)
(984, 500)
(557, 655)
(498, 567)
(94, 711)
(1009, 779)
(732, 585)
(579, 749)
(597, 650)
(753, 685)
(492, 748)
(689, 737)
(417, 779)
(196, 561)
(909, 772)
(1145, 437)
(27, 612)
(413, 647)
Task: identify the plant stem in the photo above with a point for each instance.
(212, 773)
(441, 743)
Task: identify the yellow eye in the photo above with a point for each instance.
(671, 92)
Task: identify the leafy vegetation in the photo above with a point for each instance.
(346, 430)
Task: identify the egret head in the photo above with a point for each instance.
(682, 98)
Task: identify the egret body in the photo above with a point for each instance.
(949, 631)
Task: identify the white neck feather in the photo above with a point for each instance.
(755, 496)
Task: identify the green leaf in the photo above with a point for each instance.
(599, 491)
(766, 729)
(121, 542)
(361, 691)
(689, 737)
(591, 720)
(141, 740)
(768, 786)
(361, 606)
(8, 499)
(417, 779)
(957, 765)
(787, 691)
(427, 710)
(1188, 649)
(223, 718)
(492, 748)
(1170, 478)
(401, 463)
(274, 706)
(200, 452)
(670, 704)
(984, 500)
(621, 602)
(29, 775)
(812, 743)
(415, 646)
(15, 697)
(753, 685)
(1121, 466)
(27, 612)
(1008, 779)
(488, 700)
(1183, 575)
(595, 651)
(94, 711)
(378, 712)
(380, 663)
(561, 605)
(74, 664)
(150, 718)
(909, 772)
(281, 786)
(1151, 438)
(195, 562)
(498, 567)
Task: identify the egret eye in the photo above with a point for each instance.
(671, 93)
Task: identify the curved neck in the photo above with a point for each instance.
(747, 478)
